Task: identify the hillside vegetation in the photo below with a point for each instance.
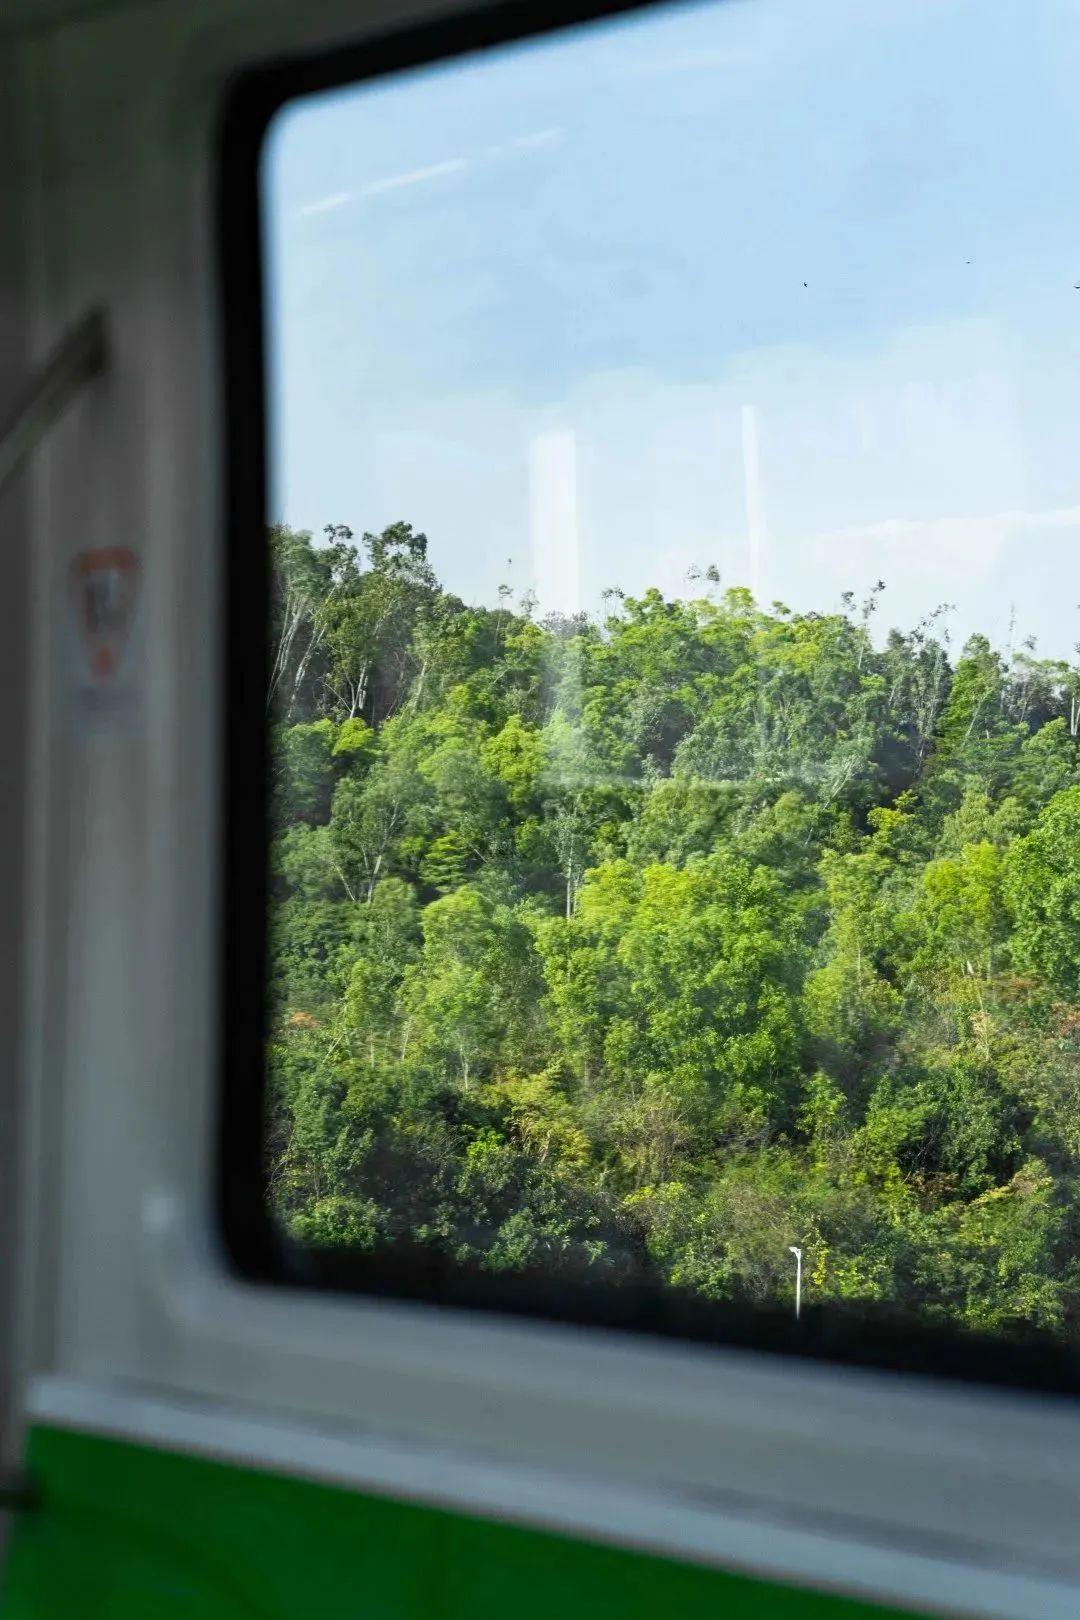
(646, 949)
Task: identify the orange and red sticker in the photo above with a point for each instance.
(104, 663)
(105, 588)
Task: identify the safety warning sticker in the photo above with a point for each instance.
(104, 586)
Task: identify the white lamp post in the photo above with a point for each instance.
(797, 1252)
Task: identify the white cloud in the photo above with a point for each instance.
(413, 177)
(540, 137)
(325, 205)
(531, 141)
(376, 188)
(976, 528)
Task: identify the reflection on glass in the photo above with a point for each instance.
(676, 764)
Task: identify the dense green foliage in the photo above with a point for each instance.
(651, 948)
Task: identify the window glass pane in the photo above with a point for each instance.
(675, 693)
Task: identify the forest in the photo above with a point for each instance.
(645, 945)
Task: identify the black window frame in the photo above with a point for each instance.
(254, 1246)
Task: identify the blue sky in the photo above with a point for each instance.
(781, 286)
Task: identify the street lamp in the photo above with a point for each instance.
(797, 1252)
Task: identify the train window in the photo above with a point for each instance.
(671, 684)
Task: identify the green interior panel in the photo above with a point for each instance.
(125, 1530)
